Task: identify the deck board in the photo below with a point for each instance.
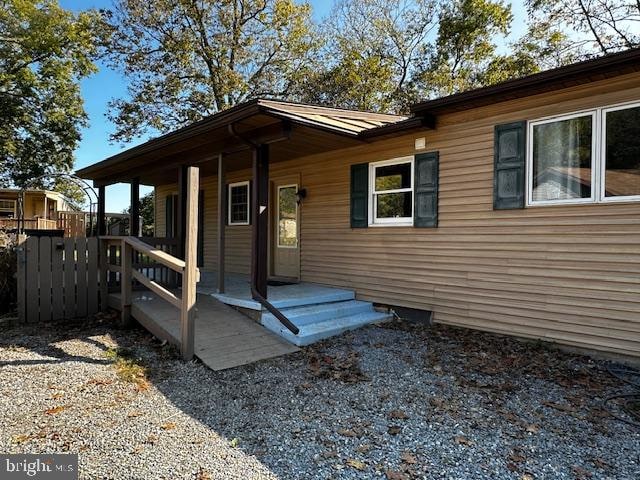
(224, 338)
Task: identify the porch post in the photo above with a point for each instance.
(182, 209)
(260, 229)
(190, 274)
(134, 212)
(101, 226)
(222, 213)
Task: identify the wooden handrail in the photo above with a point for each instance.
(164, 258)
(157, 288)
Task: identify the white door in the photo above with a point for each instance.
(286, 231)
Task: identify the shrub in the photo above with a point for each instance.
(8, 264)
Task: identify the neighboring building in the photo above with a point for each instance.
(513, 208)
(42, 210)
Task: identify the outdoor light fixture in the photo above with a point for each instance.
(301, 193)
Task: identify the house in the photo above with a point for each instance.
(42, 210)
(513, 208)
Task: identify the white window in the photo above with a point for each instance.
(238, 208)
(391, 192)
(621, 153)
(7, 208)
(585, 157)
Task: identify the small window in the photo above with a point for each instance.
(391, 195)
(621, 153)
(7, 208)
(239, 203)
(562, 152)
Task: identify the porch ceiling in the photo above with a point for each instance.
(292, 130)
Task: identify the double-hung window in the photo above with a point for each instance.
(238, 208)
(7, 208)
(391, 192)
(586, 157)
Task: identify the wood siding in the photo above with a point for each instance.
(568, 274)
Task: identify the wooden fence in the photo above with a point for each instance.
(73, 223)
(67, 278)
(58, 278)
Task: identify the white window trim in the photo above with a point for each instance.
(603, 155)
(594, 158)
(280, 187)
(386, 222)
(229, 187)
(598, 170)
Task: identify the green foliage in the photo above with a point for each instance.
(188, 59)
(8, 264)
(371, 50)
(596, 27)
(44, 51)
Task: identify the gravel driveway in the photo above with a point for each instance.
(396, 402)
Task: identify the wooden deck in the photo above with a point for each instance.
(224, 338)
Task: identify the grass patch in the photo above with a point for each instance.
(129, 368)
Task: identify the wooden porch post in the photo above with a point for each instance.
(260, 229)
(125, 282)
(182, 209)
(222, 214)
(189, 277)
(102, 224)
(134, 213)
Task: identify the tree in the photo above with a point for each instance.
(44, 52)
(598, 26)
(371, 51)
(465, 46)
(147, 214)
(186, 59)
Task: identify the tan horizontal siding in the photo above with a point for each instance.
(568, 274)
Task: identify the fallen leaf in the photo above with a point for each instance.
(134, 413)
(151, 439)
(329, 454)
(558, 406)
(395, 475)
(168, 426)
(516, 458)
(138, 449)
(363, 448)
(357, 464)
(600, 463)
(512, 467)
(460, 440)
(407, 457)
(203, 475)
(526, 476)
(533, 428)
(581, 472)
(20, 438)
(347, 433)
(437, 402)
(54, 410)
(398, 414)
(394, 430)
(235, 442)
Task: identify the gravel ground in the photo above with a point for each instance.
(396, 402)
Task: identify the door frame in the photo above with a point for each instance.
(277, 182)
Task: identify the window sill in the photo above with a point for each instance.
(399, 224)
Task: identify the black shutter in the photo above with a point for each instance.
(227, 195)
(168, 217)
(201, 228)
(359, 195)
(425, 210)
(249, 193)
(509, 153)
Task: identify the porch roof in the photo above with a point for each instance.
(308, 129)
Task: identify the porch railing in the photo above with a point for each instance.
(29, 223)
(132, 261)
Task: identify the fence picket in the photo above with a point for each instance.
(32, 251)
(69, 278)
(57, 297)
(21, 278)
(92, 276)
(81, 276)
(45, 279)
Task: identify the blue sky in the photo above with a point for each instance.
(107, 84)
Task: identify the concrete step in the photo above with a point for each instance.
(313, 332)
(325, 311)
(315, 296)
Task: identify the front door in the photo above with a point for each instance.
(286, 229)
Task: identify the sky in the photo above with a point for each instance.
(107, 84)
